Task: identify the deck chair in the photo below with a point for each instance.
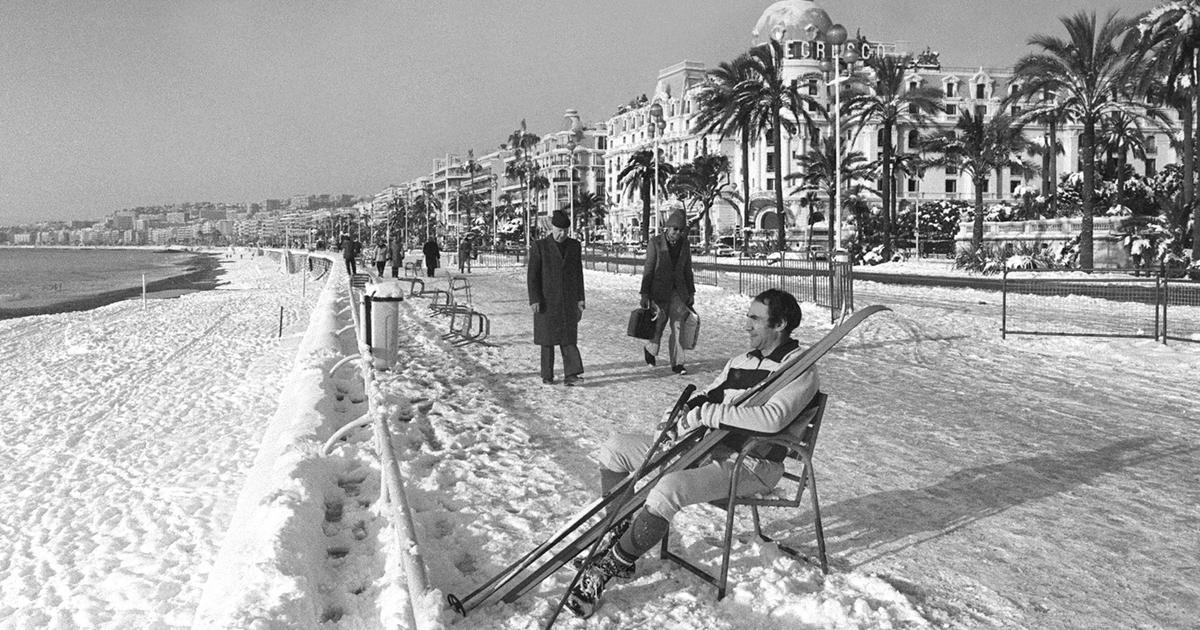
(799, 438)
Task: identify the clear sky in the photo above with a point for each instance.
(109, 105)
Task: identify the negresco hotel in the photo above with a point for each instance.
(588, 156)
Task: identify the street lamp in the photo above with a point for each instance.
(657, 125)
(835, 36)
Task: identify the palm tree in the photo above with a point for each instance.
(1092, 78)
(639, 178)
(817, 174)
(704, 180)
(1169, 36)
(1120, 134)
(889, 105)
(521, 167)
(762, 98)
(980, 147)
(472, 167)
(537, 183)
(590, 210)
(718, 113)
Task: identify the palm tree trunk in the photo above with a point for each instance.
(779, 181)
(1189, 167)
(1053, 173)
(977, 223)
(1087, 151)
(745, 192)
(886, 190)
(645, 214)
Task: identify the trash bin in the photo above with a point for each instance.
(380, 316)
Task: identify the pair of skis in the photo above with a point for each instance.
(519, 578)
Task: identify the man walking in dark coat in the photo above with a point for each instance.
(349, 249)
(555, 282)
(397, 247)
(667, 281)
(433, 255)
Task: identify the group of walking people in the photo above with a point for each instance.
(556, 295)
(556, 298)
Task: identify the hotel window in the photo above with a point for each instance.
(770, 138)
(951, 110)
(771, 162)
(685, 151)
(914, 139)
(770, 183)
(980, 111)
(985, 186)
(879, 138)
(1012, 185)
(812, 87)
(951, 185)
(951, 169)
(980, 90)
(912, 184)
(1015, 111)
(1150, 170)
(912, 108)
(912, 86)
(950, 89)
(1149, 145)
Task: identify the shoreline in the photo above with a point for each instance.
(201, 272)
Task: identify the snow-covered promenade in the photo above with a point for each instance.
(127, 434)
(966, 481)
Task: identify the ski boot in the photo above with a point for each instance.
(585, 596)
(607, 542)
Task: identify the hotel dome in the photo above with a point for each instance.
(801, 19)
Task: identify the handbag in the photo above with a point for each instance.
(689, 330)
(641, 323)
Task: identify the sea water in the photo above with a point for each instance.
(39, 278)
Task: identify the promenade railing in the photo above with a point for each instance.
(1099, 303)
(822, 281)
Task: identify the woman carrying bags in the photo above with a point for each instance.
(667, 281)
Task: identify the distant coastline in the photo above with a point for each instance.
(199, 272)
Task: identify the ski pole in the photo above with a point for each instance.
(611, 517)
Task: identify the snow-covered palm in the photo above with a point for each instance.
(718, 113)
(888, 104)
(704, 180)
(763, 98)
(981, 146)
(1168, 37)
(521, 168)
(817, 174)
(1091, 77)
(642, 178)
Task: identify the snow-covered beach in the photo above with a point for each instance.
(965, 481)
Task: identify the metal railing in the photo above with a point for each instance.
(1099, 303)
(821, 281)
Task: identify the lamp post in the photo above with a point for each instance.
(835, 36)
(657, 124)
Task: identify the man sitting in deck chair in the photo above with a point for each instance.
(772, 317)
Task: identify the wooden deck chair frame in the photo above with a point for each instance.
(799, 438)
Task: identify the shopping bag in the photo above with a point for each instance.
(641, 323)
(689, 329)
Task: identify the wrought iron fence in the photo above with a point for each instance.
(1099, 303)
(823, 282)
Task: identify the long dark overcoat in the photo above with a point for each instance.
(556, 282)
(660, 277)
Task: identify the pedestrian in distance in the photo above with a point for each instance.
(770, 320)
(555, 283)
(668, 284)
(381, 257)
(433, 255)
(466, 248)
(346, 245)
(397, 256)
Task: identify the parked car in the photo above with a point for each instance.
(774, 257)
